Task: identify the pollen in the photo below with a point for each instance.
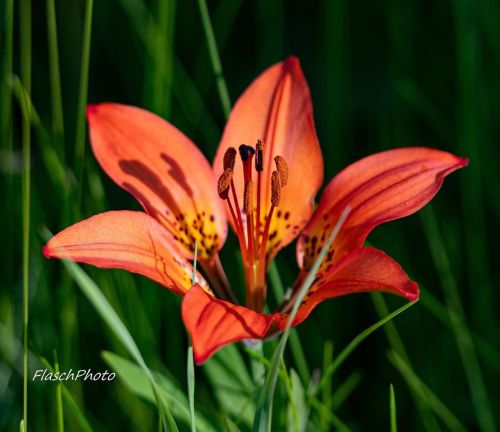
(282, 168)
(224, 183)
(229, 158)
(259, 156)
(248, 198)
(275, 188)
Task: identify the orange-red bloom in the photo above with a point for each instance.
(267, 191)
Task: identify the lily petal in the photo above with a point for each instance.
(163, 170)
(379, 188)
(277, 109)
(213, 323)
(126, 240)
(363, 270)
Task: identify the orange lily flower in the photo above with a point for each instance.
(267, 192)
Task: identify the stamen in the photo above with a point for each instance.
(275, 200)
(282, 168)
(248, 198)
(259, 167)
(248, 209)
(229, 158)
(224, 183)
(259, 154)
(275, 189)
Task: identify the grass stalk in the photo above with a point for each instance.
(295, 345)
(82, 98)
(59, 406)
(6, 70)
(55, 79)
(346, 352)
(25, 41)
(392, 409)
(460, 329)
(214, 58)
(425, 394)
(190, 362)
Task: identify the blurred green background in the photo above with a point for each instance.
(382, 75)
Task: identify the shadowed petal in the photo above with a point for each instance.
(126, 240)
(214, 323)
(379, 188)
(276, 108)
(165, 172)
(363, 270)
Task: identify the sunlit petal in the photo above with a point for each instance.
(276, 108)
(363, 270)
(379, 188)
(165, 172)
(126, 240)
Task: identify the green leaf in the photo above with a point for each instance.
(232, 384)
(301, 409)
(137, 382)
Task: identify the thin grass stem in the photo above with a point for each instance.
(463, 338)
(392, 409)
(214, 58)
(25, 41)
(59, 406)
(55, 79)
(82, 99)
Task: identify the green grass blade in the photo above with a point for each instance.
(295, 345)
(55, 78)
(232, 384)
(300, 408)
(263, 415)
(110, 317)
(59, 406)
(79, 416)
(191, 386)
(158, 86)
(134, 378)
(326, 393)
(356, 341)
(392, 409)
(190, 362)
(345, 389)
(25, 42)
(82, 96)
(396, 343)
(425, 394)
(6, 71)
(214, 58)
(461, 331)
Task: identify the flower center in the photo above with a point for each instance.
(251, 228)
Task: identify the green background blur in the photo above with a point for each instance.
(382, 75)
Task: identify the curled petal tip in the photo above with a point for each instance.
(292, 61)
(463, 161)
(91, 109)
(46, 252)
(412, 293)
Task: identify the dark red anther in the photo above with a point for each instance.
(259, 156)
